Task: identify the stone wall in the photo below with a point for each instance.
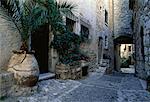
(85, 14)
(102, 27)
(142, 25)
(147, 35)
(122, 17)
(6, 83)
(9, 40)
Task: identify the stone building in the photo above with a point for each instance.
(142, 37)
(91, 19)
(105, 23)
(120, 26)
(129, 24)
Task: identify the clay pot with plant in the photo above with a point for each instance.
(29, 15)
(23, 63)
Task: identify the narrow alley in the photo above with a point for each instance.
(74, 50)
(97, 87)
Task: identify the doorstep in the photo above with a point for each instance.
(46, 76)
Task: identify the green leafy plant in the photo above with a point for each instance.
(124, 62)
(50, 12)
(67, 46)
(29, 15)
(20, 14)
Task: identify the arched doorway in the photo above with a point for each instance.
(124, 54)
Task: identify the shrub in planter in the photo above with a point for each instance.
(67, 46)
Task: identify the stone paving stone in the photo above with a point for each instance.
(105, 81)
(118, 74)
(134, 96)
(131, 83)
(90, 94)
(50, 90)
(93, 88)
(90, 77)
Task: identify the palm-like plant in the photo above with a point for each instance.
(50, 11)
(20, 14)
(29, 15)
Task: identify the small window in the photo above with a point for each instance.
(129, 48)
(84, 33)
(131, 4)
(106, 41)
(70, 24)
(106, 16)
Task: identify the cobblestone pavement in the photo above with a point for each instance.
(94, 88)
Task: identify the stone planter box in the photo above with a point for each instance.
(67, 72)
(6, 82)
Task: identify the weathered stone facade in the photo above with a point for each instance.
(6, 82)
(142, 37)
(122, 18)
(9, 40)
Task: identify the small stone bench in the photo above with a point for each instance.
(6, 82)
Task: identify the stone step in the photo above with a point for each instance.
(46, 76)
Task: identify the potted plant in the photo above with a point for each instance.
(28, 16)
(23, 63)
(51, 12)
(67, 46)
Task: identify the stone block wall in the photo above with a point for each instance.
(6, 82)
(122, 17)
(142, 25)
(9, 40)
(146, 15)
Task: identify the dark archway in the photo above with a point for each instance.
(125, 39)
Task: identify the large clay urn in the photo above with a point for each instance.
(25, 69)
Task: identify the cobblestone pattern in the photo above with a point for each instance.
(6, 82)
(95, 88)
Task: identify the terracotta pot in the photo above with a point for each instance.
(25, 69)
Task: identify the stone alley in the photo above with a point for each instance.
(97, 87)
(74, 50)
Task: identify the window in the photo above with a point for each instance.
(106, 41)
(70, 24)
(106, 16)
(3, 3)
(129, 47)
(131, 4)
(84, 33)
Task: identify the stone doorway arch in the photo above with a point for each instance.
(118, 41)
